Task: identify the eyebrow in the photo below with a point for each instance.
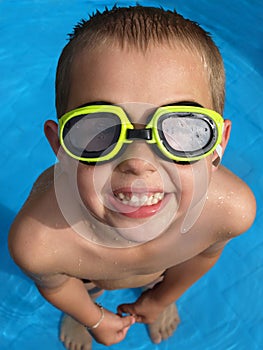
(180, 103)
(183, 103)
(96, 103)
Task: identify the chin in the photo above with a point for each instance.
(145, 223)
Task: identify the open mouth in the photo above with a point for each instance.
(139, 199)
(137, 204)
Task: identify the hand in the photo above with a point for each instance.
(145, 310)
(112, 329)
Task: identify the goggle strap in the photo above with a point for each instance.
(219, 151)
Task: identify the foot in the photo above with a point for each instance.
(74, 335)
(165, 325)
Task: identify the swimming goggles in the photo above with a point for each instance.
(99, 133)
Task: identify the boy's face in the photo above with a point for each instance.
(139, 83)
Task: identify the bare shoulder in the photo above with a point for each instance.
(26, 241)
(29, 240)
(233, 200)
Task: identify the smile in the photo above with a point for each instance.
(137, 204)
(139, 199)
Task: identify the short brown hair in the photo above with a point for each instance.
(139, 26)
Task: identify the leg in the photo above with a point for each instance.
(73, 334)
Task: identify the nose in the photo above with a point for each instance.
(138, 159)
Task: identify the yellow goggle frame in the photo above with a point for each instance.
(153, 132)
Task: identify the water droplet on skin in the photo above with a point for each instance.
(230, 194)
(183, 230)
(220, 201)
(79, 263)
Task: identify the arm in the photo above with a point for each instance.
(72, 298)
(64, 292)
(176, 281)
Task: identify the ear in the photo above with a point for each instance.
(51, 132)
(225, 138)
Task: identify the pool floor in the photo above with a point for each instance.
(223, 310)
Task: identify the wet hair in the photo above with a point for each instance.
(138, 27)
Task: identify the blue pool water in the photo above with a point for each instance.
(224, 310)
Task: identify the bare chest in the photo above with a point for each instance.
(112, 268)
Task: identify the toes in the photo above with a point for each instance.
(71, 346)
(73, 335)
(165, 325)
(67, 343)
(156, 336)
(86, 347)
(167, 332)
(78, 347)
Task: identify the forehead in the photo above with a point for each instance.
(159, 76)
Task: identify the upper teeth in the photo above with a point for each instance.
(137, 200)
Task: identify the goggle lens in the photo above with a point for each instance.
(191, 134)
(92, 134)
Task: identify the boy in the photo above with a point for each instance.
(138, 198)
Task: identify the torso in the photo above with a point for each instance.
(115, 268)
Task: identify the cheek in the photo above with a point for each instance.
(86, 185)
(199, 176)
(187, 182)
(191, 181)
(92, 183)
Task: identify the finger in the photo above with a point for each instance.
(126, 324)
(139, 319)
(125, 309)
(127, 321)
(121, 334)
(124, 331)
